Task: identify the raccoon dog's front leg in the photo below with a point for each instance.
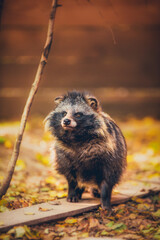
(106, 191)
(72, 190)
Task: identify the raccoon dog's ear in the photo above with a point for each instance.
(58, 100)
(93, 102)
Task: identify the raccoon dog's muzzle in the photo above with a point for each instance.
(68, 123)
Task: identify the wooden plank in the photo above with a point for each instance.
(36, 214)
(33, 215)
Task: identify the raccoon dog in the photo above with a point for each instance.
(89, 146)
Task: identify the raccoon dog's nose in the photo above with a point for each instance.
(66, 121)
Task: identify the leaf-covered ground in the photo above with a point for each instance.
(35, 182)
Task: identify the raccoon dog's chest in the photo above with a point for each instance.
(85, 163)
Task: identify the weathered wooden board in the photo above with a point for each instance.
(37, 213)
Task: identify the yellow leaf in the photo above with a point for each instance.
(20, 165)
(61, 187)
(157, 213)
(55, 202)
(1, 223)
(132, 216)
(143, 206)
(8, 144)
(53, 194)
(51, 180)
(84, 235)
(141, 227)
(29, 213)
(45, 209)
(104, 233)
(62, 195)
(20, 232)
(138, 200)
(1, 178)
(43, 159)
(115, 191)
(154, 175)
(134, 183)
(148, 121)
(71, 220)
(130, 158)
(47, 136)
(93, 223)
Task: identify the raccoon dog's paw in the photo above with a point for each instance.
(75, 195)
(80, 192)
(107, 210)
(95, 192)
(72, 198)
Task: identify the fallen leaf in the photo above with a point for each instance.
(2, 140)
(138, 200)
(53, 194)
(19, 232)
(45, 209)
(132, 216)
(62, 195)
(154, 175)
(29, 213)
(51, 180)
(146, 231)
(43, 159)
(61, 187)
(20, 165)
(71, 220)
(55, 202)
(3, 209)
(8, 144)
(3, 202)
(45, 189)
(110, 224)
(46, 231)
(119, 226)
(143, 206)
(157, 236)
(104, 233)
(84, 235)
(131, 236)
(11, 231)
(5, 237)
(157, 213)
(93, 223)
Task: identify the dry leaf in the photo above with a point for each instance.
(93, 223)
(71, 220)
(45, 209)
(29, 213)
(55, 202)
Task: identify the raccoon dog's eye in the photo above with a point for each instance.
(78, 115)
(64, 114)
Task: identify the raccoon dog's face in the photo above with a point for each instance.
(75, 117)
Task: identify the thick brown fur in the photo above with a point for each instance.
(90, 147)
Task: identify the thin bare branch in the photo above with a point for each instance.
(104, 22)
(29, 101)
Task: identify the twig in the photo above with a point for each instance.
(34, 88)
(104, 22)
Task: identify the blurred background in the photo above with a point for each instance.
(110, 48)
